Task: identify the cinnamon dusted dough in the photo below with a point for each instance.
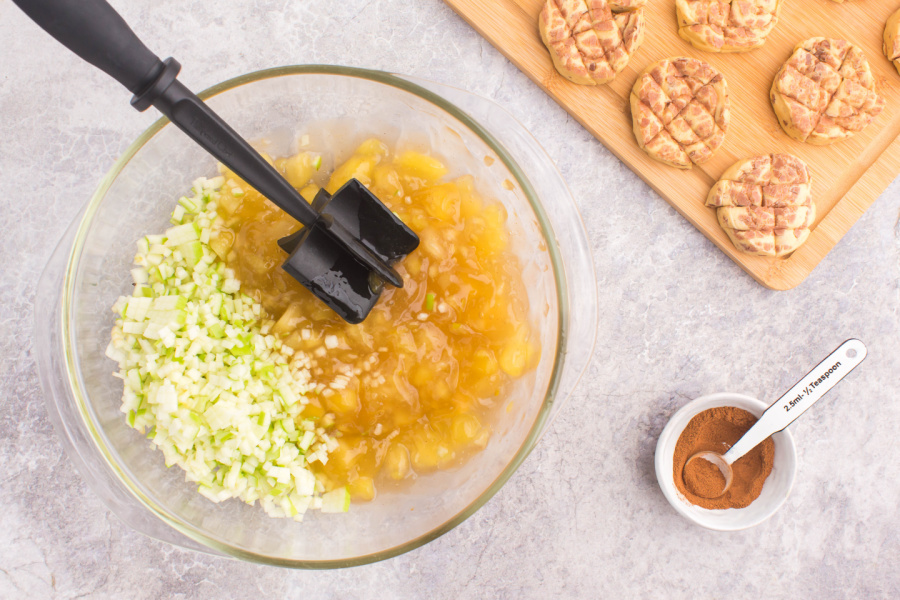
(892, 39)
(679, 111)
(590, 41)
(726, 25)
(825, 92)
(765, 204)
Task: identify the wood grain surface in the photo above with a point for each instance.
(847, 176)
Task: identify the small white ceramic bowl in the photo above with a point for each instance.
(775, 490)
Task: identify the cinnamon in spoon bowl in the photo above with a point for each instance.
(704, 478)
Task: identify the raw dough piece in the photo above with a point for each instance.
(590, 41)
(726, 25)
(765, 204)
(825, 92)
(679, 111)
(892, 39)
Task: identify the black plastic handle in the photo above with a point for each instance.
(205, 127)
(93, 30)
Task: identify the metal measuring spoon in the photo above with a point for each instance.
(789, 407)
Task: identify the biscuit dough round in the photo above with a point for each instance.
(825, 92)
(764, 204)
(680, 111)
(892, 39)
(590, 41)
(726, 25)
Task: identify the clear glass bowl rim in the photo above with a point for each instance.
(528, 444)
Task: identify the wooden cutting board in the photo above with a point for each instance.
(847, 176)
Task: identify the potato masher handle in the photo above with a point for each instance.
(93, 30)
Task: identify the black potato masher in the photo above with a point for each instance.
(349, 241)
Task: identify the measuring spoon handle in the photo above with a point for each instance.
(800, 397)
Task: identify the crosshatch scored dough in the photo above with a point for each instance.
(892, 39)
(726, 25)
(590, 41)
(765, 204)
(679, 110)
(825, 92)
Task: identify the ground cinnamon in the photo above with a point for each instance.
(717, 429)
(703, 478)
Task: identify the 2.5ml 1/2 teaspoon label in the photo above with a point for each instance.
(788, 405)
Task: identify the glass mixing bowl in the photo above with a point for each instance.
(90, 269)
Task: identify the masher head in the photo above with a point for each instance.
(328, 257)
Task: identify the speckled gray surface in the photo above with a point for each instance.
(583, 517)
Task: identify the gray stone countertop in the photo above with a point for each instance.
(583, 517)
